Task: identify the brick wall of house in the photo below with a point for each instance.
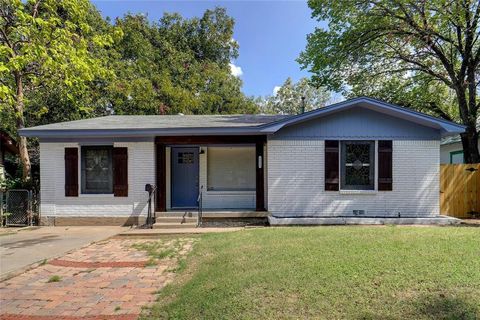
(141, 170)
(296, 181)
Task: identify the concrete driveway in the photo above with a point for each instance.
(26, 247)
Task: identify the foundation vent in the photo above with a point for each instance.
(358, 212)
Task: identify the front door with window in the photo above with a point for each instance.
(185, 177)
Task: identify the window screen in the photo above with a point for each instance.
(97, 169)
(231, 168)
(357, 165)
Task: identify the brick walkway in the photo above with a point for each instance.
(105, 280)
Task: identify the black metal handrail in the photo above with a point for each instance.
(151, 216)
(184, 215)
(200, 207)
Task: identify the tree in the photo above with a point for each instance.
(291, 98)
(424, 51)
(60, 61)
(177, 65)
(47, 45)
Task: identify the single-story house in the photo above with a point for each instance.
(358, 161)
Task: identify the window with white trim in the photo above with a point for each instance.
(357, 165)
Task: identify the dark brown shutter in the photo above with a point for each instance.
(71, 172)
(331, 165)
(385, 165)
(120, 172)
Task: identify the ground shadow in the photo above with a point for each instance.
(16, 244)
(435, 307)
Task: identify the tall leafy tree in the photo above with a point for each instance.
(293, 98)
(177, 65)
(46, 46)
(423, 54)
(60, 61)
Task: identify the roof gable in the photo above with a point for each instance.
(357, 123)
(445, 127)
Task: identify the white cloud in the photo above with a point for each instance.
(235, 70)
(275, 90)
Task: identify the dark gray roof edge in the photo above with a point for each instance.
(42, 133)
(277, 125)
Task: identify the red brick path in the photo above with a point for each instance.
(104, 317)
(107, 280)
(83, 264)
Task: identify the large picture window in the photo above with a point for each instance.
(357, 165)
(231, 168)
(97, 173)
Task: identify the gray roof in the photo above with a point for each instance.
(190, 125)
(138, 125)
(163, 121)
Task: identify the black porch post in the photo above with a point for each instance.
(260, 185)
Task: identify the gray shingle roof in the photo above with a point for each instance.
(162, 122)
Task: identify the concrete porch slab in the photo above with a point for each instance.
(221, 213)
(426, 220)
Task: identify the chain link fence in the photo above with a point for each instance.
(18, 207)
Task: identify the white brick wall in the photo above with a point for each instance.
(296, 182)
(141, 170)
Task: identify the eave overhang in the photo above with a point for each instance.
(446, 128)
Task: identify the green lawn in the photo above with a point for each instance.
(329, 273)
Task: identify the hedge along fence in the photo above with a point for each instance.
(460, 190)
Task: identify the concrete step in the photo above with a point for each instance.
(217, 214)
(176, 219)
(174, 225)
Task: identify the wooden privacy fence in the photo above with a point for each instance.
(460, 190)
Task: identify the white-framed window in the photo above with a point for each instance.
(231, 168)
(357, 165)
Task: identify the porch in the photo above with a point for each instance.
(221, 175)
(177, 219)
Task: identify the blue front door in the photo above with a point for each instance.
(184, 177)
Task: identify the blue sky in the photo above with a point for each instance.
(271, 34)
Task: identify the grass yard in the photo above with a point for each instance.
(329, 273)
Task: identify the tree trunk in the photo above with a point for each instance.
(470, 145)
(470, 136)
(22, 141)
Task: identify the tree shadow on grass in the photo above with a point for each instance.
(442, 307)
(434, 307)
